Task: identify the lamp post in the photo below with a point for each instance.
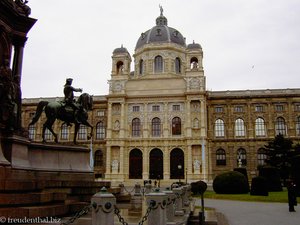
(179, 169)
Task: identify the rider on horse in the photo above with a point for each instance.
(69, 97)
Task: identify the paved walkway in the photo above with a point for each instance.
(254, 213)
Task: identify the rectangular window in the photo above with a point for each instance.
(176, 107)
(218, 109)
(135, 108)
(238, 109)
(155, 108)
(279, 108)
(100, 113)
(259, 108)
(297, 108)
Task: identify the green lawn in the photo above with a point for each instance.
(273, 197)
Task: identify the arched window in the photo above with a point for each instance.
(141, 67)
(31, 131)
(260, 129)
(100, 130)
(176, 126)
(156, 127)
(220, 157)
(280, 126)
(98, 158)
(261, 157)
(177, 65)
(64, 135)
(158, 64)
(82, 132)
(239, 128)
(136, 127)
(298, 126)
(120, 67)
(219, 128)
(194, 63)
(241, 157)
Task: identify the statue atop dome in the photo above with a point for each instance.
(161, 10)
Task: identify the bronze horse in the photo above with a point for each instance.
(78, 114)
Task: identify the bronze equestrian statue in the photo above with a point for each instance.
(69, 111)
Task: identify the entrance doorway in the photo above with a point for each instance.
(156, 164)
(177, 164)
(135, 164)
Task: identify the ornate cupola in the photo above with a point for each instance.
(121, 60)
(120, 73)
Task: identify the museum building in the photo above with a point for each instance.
(159, 122)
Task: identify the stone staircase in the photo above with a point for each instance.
(44, 196)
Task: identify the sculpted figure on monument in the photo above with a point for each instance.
(22, 8)
(8, 106)
(70, 105)
(68, 110)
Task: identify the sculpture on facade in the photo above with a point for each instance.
(68, 110)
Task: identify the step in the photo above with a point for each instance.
(26, 198)
(34, 211)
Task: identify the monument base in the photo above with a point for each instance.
(42, 180)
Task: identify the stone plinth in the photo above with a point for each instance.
(103, 208)
(23, 154)
(59, 157)
(158, 201)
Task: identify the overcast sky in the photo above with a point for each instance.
(246, 44)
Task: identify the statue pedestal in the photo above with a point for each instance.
(40, 180)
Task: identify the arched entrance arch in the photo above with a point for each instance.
(135, 164)
(177, 164)
(156, 170)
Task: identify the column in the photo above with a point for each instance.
(145, 130)
(122, 122)
(166, 163)
(202, 118)
(204, 166)
(145, 164)
(108, 161)
(18, 43)
(189, 160)
(188, 119)
(165, 122)
(121, 169)
(109, 120)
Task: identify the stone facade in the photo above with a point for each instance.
(159, 121)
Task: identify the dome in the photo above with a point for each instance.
(161, 33)
(194, 46)
(120, 50)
